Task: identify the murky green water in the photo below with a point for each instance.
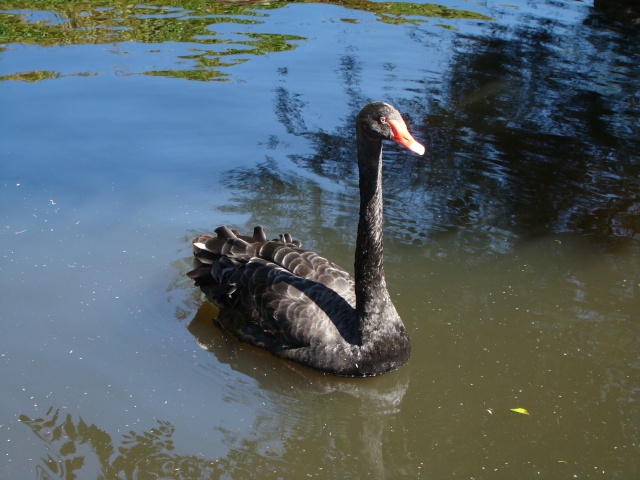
(512, 248)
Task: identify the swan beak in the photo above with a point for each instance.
(402, 136)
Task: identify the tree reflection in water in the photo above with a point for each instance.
(79, 450)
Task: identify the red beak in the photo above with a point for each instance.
(402, 136)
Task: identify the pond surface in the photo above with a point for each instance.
(512, 248)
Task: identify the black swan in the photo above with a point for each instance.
(300, 306)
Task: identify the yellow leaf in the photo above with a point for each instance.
(523, 411)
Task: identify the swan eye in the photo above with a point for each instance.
(383, 119)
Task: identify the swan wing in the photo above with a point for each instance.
(273, 293)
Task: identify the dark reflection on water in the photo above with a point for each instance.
(536, 129)
(293, 425)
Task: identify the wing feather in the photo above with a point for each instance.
(273, 293)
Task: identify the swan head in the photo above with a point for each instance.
(382, 121)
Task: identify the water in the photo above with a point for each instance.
(512, 248)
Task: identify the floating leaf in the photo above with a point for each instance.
(523, 411)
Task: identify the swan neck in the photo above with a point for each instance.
(370, 286)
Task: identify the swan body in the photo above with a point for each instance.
(300, 306)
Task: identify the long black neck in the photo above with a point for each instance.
(370, 285)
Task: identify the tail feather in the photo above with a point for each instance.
(214, 244)
(219, 259)
(259, 234)
(199, 274)
(205, 258)
(225, 232)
